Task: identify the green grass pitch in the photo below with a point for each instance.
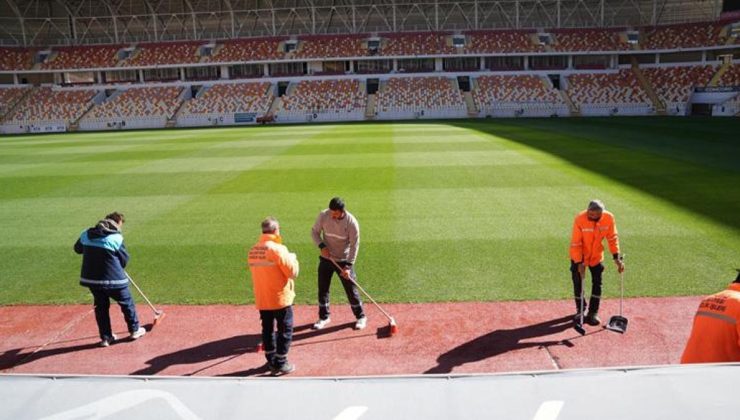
(449, 211)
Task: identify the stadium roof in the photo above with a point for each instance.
(73, 22)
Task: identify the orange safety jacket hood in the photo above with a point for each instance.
(586, 243)
(273, 270)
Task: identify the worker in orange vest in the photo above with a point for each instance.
(274, 270)
(715, 336)
(590, 228)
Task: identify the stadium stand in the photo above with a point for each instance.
(221, 104)
(164, 53)
(324, 100)
(608, 93)
(674, 85)
(427, 97)
(331, 46)
(415, 44)
(9, 97)
(45, 104)
(16, 58)
(731, 77)
(246, 50)
(486, 42)
(148, 107)
(508, 96)
(566, 40)
(641, 90)
(94, 56)
(691, 35)
(230, 98)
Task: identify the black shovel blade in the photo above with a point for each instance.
(579, 328)
(617, 324)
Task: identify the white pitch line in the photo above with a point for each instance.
(549, 410)
(351, 413)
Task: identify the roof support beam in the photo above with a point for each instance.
(14, 8)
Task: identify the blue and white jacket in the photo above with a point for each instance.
(104, 257)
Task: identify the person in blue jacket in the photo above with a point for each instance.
(104, 258)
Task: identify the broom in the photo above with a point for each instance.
(158, 314)
(391, 321)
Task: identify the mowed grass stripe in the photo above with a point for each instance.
(497, 213)
(206, 164)
(262, 179)
(423, 271)
(487, 220)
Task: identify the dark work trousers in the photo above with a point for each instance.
(102, 305)
(326, 270)
(596, 271)
(277, 356)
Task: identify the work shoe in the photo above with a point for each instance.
(284, 369)
(138, 333)
(321, 323)
(361, 323)
(592, 318)
(577, 318)
(107, 341)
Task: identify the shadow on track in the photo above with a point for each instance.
(502, 341)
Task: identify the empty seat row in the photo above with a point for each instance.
(607, 88)
(491, 91)
(47, 104)
(675, 84)
(82, 57)
(419, 94)
(231, 98)
(139, 102)
(325, 95)
(164, 53)
(246, 50)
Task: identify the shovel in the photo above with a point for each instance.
(618, 323)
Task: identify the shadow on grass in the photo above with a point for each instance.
(691, 162)
(501, 341)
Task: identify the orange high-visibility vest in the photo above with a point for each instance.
(586, 242)
(273, 270)
(715, 335)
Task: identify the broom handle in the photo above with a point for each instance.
(621, 299)
(582, 274)
(390, 318)
(142, 294)
(621, 283)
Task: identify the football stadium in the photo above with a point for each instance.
(355, 209)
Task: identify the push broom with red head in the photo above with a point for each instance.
(391, 321)
(158, 314)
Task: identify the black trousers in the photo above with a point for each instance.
(102, 305)
(595, 300)
(277, 355)
(326, 270)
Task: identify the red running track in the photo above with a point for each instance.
(432, 338)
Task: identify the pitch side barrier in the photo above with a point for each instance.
(665, 392)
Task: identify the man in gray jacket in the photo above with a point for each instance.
(337, 233)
